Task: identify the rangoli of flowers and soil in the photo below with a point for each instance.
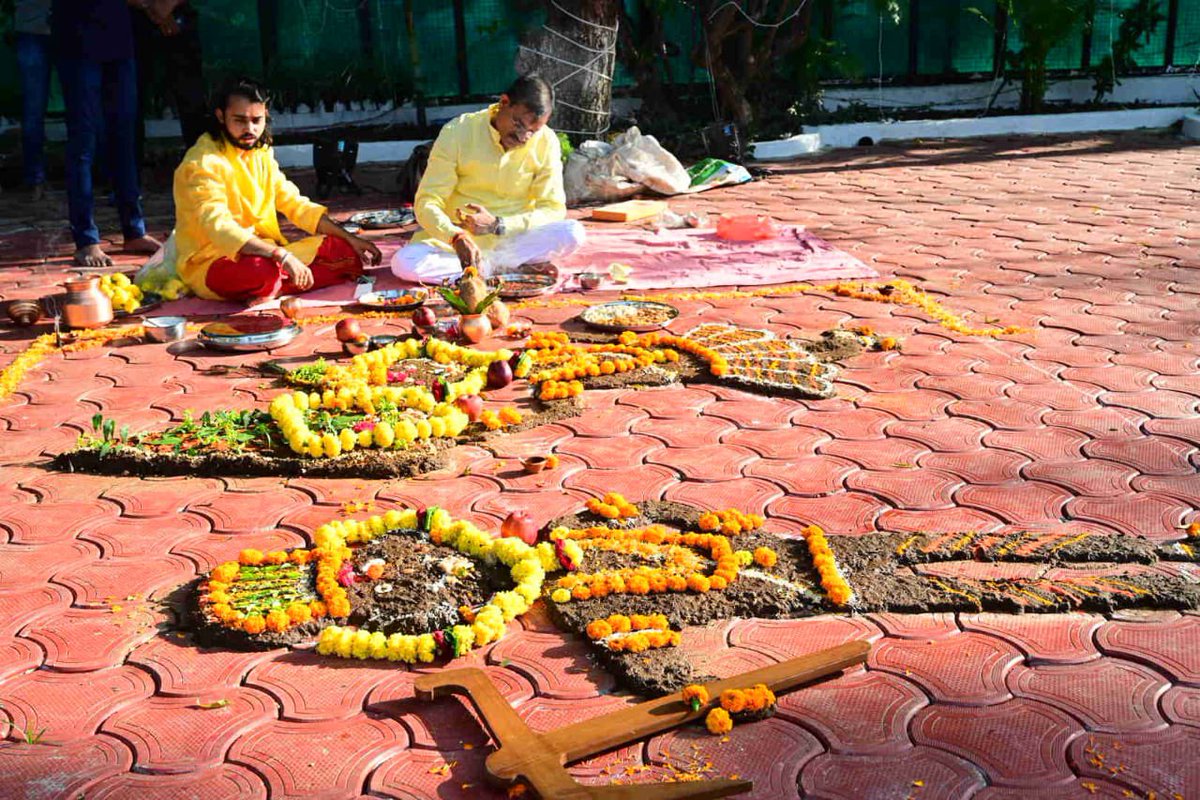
(395, 411)
(412, 585)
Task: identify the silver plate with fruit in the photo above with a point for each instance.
(517, 285)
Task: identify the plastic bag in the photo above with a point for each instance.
(159, 274)
(597, 171)
(714, 172)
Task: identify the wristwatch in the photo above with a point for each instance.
(500, 228)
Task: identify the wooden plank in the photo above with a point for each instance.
(629, 211)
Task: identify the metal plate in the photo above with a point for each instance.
(386, 300)
(606, 316)
(516, 285)
(384, 218)
(248, 334)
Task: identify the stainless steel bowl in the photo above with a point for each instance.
(591, 280)
(164, 329)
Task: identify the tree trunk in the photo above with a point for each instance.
(576, 55)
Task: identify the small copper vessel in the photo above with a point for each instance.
(85, 306)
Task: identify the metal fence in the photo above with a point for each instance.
(322, 51)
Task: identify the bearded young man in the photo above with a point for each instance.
(492, 192)
(227, 192)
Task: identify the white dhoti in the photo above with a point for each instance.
(423, 263)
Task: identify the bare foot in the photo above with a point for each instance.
(92, 256)
(145, 245)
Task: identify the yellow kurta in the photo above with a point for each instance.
(467, 165)
(224, 196)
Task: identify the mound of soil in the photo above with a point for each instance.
(415, 594)
(790, 589)
(421, 457)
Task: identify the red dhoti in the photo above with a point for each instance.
(249, 277)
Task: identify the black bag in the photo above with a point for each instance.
(410, 174)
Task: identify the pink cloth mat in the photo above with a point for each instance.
(695, 258)
(669, 259)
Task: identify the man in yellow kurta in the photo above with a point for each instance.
(492, 193)
(228, 191)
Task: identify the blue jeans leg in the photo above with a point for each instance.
(101, 99)
(81, 80)
(33, 59)
(120, 126)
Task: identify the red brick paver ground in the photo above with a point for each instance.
(1089, 419)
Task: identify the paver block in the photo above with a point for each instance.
(336, 755)
(1017, 743)
(177, 734)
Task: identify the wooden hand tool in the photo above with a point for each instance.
(539, 759)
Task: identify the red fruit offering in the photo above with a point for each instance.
(520, 525)
(471, 405)
(348, 330)
(424, 317)
(499, 375)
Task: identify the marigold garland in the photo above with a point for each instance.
(896, 291)
(612, 506)
(749, 701)
(633, 634)
(680, 574)
(527, 567)
(836, 588)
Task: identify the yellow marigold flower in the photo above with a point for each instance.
(560, 595)
(718, 722)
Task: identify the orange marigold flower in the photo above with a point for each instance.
(695, 695)
(226, 572)
(581, 593)
(718, 722)
(765, 557)
(840, 595)
(709, 522)
(318, 609)
(339, 607)
(638, 585)
(620, 623)
(677, 583)
(250, 557)
(299, 613)
(551, 461)
(599, 629)
(733, 700)
(375, 571)
(717, 583)
(299, 556)
(639, 622)
(277, 621)
(276, 557)
(698, 583)
(254, 624)
(219, 596)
